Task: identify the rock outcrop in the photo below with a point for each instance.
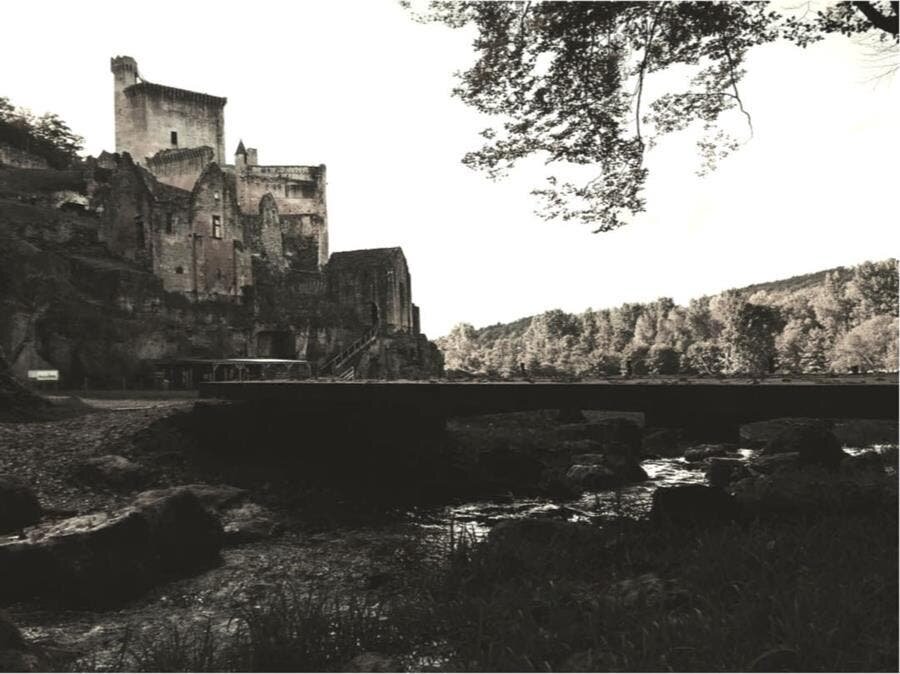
(101, 559)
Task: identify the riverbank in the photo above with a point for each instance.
(503, 577)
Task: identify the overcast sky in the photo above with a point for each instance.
(362, 88)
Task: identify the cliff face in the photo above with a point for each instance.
(68, 303)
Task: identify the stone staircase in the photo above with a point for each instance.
(337, 364)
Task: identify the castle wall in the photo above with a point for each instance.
(220, 262)
(155, 111)
(125, 223)
(364, 280)
(173, 259)
(299, 193)
(180, 168)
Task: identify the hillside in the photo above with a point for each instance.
(831, 320)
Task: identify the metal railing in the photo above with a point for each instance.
(335, 364)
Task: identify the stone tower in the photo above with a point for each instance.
(125, 74)
(153, 119)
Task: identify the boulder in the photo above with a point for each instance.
(693, 504)
(100, 559)
(722, 471)
(534, 543)
(592, 477)
(624, 434)
(590, 459)
(247, 523)
(699, 453)
(112, 470)
(19, 506)
(661, 442)
(755, 435)
(813, 489)
(591, 472)
(865, 432)
(812, 440)
(770, 464)
(212, 496)
(583, 446)
(864, 461)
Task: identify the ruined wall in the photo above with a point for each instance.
(220, 262)
(182, 167)
(374, 284)
(125, 203)
(298, 191)
(148, 114)
(13, 156)
(172, 242)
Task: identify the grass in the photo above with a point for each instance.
(805, 595)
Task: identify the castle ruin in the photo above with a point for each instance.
(252, 235)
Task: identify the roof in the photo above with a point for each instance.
(366, 257)
(240, 148)
(145, 87)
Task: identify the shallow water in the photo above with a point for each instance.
(477, 518)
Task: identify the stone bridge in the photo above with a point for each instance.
(705, 408)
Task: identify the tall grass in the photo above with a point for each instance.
(806, 595)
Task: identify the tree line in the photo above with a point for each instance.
(840, 320)
(47, 136)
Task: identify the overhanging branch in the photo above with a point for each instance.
(887, 23)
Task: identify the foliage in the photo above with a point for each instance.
(815, 323)
(570, 81)
(872, 345)
(47, 136)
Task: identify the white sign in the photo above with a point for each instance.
(44, 375)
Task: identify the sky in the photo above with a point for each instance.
(362, 88)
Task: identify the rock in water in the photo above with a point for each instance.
(812, 440)
(693, 504)
(811, 489)
(592, 477)
(100, 559)
(722, 471)
(19, 506)
(702, 452)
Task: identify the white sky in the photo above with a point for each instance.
(362, 88)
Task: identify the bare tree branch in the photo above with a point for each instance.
(737, 95)
(644, 61)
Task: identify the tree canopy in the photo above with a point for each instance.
(829, 321)
(568, 82)
(47, 136)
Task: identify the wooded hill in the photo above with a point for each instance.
(828, 321)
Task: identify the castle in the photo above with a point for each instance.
(241, 233)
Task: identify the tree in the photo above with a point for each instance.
(568, 81)
(753, 344)
(871, 345)
(662, 359)
(704, 358)
(873, 289)
(56, 132)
